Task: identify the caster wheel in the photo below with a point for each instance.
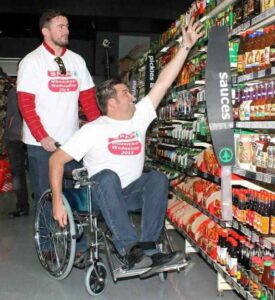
(163, 276)
(96, 279)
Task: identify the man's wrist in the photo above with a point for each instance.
(182, 45)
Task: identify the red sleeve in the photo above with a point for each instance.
(88, 104)
(26, 103)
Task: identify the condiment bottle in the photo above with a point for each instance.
(266, 274)
(271, 281)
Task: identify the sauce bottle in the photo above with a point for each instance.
(266, 274)
(241, 54)
(248, 52)
(272, 46)
(272, 215)
(265, 216)
(271, 281)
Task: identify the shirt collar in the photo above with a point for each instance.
(51, 49)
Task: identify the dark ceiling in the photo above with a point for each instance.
(81, 27)
(86, 17)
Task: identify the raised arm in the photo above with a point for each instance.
(172, 69)
(56, 171)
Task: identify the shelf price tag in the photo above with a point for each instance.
(235, 224)
(267, 178)
(267, 244)
(236, 286)
(242, 291)
(250, 297)
(246, 231)
(240, 172)
(255, 238)
(259, 176)
(261, 73)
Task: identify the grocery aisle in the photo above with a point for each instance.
(23, 278)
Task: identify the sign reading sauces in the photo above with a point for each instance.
(218, 96)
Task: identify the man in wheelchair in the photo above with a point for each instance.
(113, 150)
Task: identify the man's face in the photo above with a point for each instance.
(58, 31)
(124, 99)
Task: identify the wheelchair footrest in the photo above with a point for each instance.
(124, 273)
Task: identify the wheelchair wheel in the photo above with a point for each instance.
(55, 246)
(96, 279)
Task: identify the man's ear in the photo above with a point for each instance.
(111, 104)
(45, 31)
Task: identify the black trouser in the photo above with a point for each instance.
(17, 157)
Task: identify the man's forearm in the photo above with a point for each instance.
(56, 171)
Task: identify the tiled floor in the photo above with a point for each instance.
(22, 277)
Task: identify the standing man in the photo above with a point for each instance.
(16, 154)
(113, 149)
(51, 81)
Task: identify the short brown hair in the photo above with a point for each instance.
(48, 15)
(104, 92)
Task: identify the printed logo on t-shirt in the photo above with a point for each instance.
(64, 84)
(125, 144)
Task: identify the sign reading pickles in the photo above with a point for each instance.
(150, 72)
(218, 96)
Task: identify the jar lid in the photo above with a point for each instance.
(268, 263)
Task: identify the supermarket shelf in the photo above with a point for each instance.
(184, 143)
(253, 76)
(221, 270)
(261, 20)
(182, 196)
(253, 236)
(219, 8)
(263, 177)
(207, 176)
(255, 124)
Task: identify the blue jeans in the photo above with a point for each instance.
(149, 193)
(38, 159)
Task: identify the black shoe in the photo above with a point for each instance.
(161, 261)
(18, 213)
(137, 259)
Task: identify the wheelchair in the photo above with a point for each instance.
(56, 246)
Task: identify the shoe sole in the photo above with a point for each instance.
(158, 269)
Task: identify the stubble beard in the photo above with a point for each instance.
(63, 42)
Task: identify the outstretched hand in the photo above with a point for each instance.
(192, 33)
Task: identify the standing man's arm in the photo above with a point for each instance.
(88, 103)
(172, 69)
(26, 103)
(56, 171)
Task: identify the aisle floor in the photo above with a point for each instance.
(22, 276)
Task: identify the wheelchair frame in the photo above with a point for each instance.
(56, 246)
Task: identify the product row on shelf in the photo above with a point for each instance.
(178, 144)
(243, 263)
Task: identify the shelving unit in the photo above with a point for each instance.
(203, 141)
(221, 270)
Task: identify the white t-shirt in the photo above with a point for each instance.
(56, 95)
(116, 145)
